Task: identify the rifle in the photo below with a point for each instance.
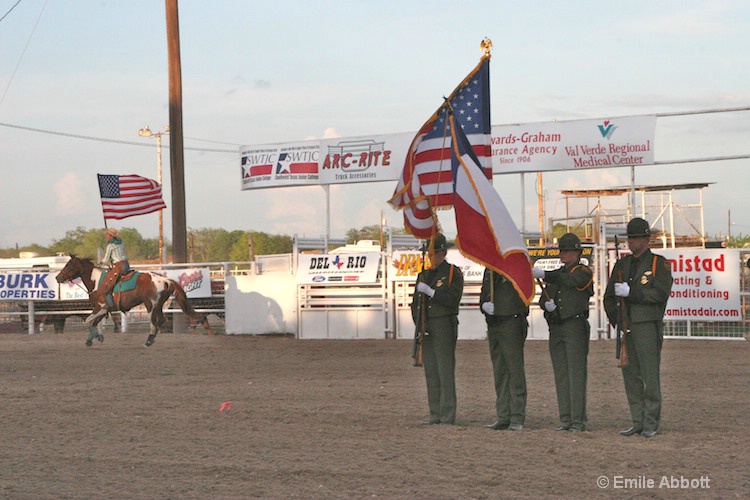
(421, 327)
(622, 327)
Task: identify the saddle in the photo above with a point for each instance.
(126, 282)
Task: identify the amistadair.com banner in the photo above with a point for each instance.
(706, 284)
(343, 268)
(534, 147)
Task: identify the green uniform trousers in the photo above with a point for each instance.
(641, 375)
(569, 349)
(507, 338)
(439, 361)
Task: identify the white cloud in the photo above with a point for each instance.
(68, 191)
(330, 133)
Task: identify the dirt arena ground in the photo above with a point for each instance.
(340, 419)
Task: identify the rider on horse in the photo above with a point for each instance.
(114, 255)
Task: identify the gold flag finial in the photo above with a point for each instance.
(486, 46)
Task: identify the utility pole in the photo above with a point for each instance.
(179, 224)
(146, 132)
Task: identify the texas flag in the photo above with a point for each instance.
(486, 231)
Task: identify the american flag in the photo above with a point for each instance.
(128, 195)
(486, 231)
(426, 182)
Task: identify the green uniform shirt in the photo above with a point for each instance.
(570, 287)
(650, 280)
(448, 282)
(502, 294)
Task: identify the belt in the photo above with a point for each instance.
(513, 316)
(576, 316)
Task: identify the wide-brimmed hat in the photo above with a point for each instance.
(638, 227)
(569, 241)
(111, 231)
(440, 243)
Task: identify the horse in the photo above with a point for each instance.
(151, 289)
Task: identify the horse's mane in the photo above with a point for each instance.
(88, 260)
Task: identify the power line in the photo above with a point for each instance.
(117, 141)
(9, 11)
(23, 52)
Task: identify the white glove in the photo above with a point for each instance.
(488, 308)
(537, 272)
(425, 288)
(622, 289)
(550, 305)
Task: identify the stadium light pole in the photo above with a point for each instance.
(146, 132)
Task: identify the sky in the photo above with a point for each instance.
(257, 72)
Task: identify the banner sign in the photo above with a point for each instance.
(28, 286)
(73, 290)
(195, 281)
(363, 159)
(706, 284)
(534, 147)
(343, 268)
(573, 145)
(407, 264)
(292, 164)
(548, 259)
(327, 161)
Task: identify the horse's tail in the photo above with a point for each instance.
(184, 303)
(187, 308)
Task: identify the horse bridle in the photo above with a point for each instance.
(80, 275)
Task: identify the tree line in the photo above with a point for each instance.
(204, 245)
(210, 244)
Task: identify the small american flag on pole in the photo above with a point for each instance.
(128, 195)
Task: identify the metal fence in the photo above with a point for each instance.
(57, 315)
(14, 316)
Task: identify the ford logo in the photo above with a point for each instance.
(318, 279)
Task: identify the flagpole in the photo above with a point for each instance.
(327, 190)
(523, 206)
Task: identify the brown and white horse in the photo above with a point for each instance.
(151, 289)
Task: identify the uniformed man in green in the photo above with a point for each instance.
(439, 288)
(643, 281)
(566, 303)
(507, 327)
